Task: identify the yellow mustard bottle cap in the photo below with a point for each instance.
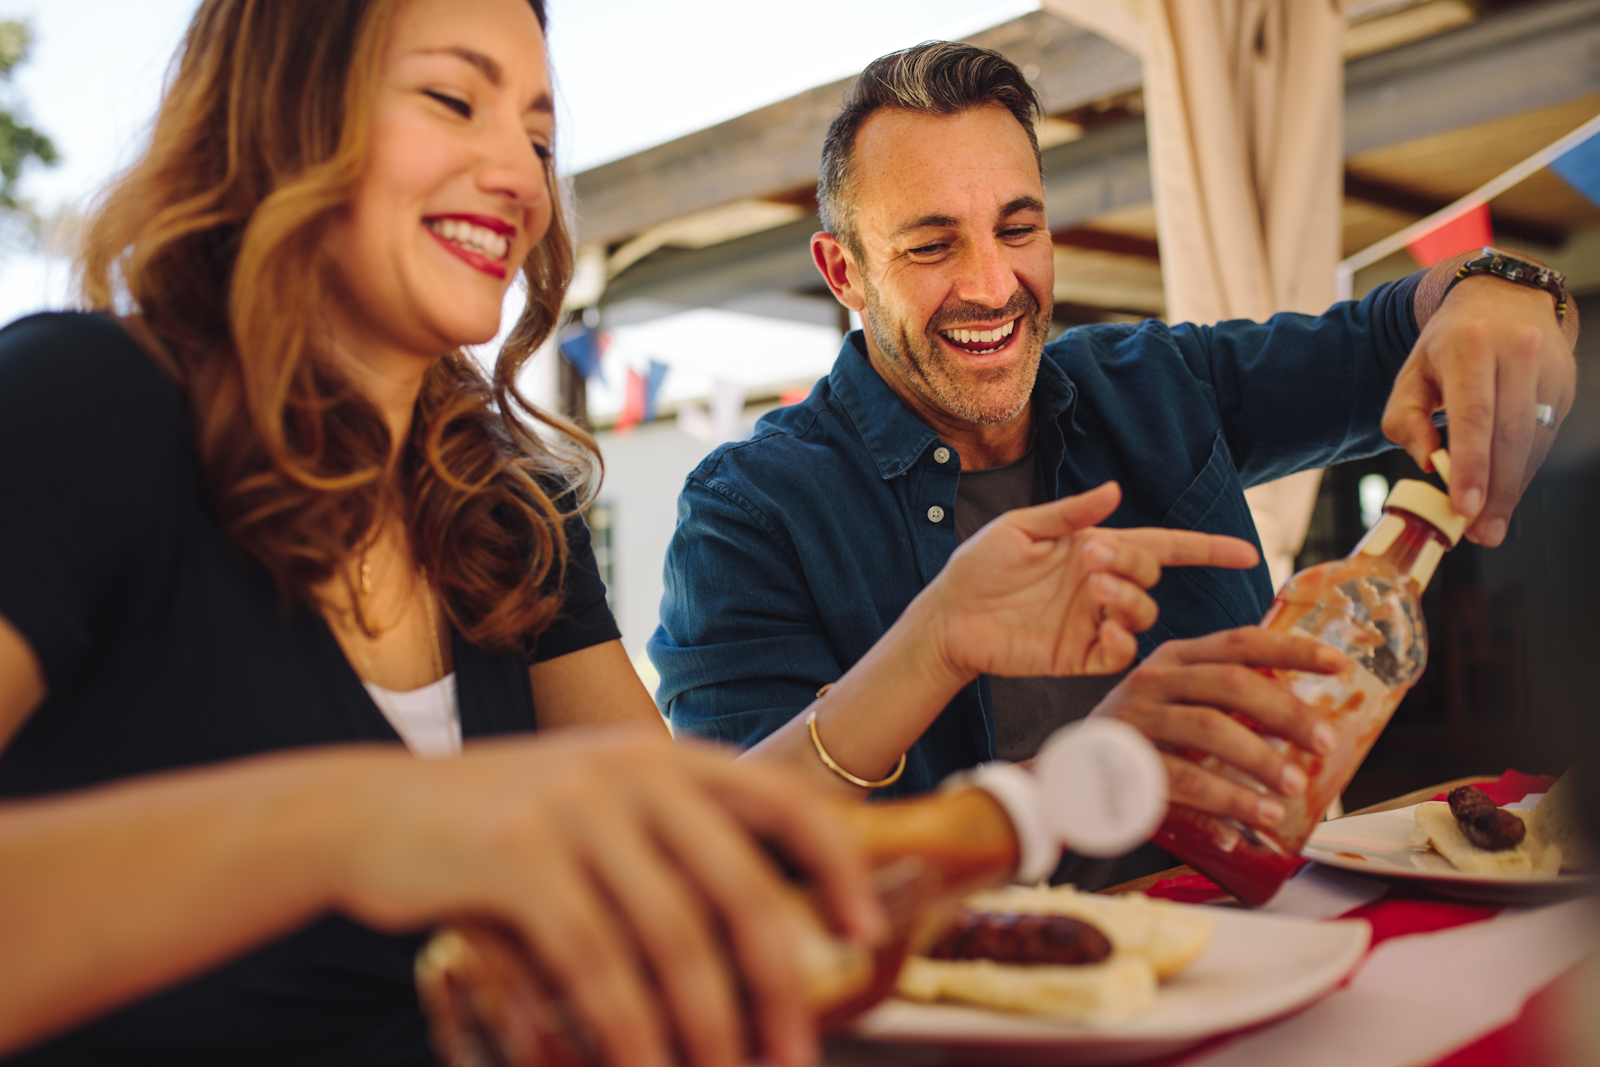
(1428, 503)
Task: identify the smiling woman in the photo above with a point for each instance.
(263, 509)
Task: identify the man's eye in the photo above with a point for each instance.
(926, 250)
(459, 106)
(1020, 231)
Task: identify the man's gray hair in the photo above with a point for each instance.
(934, 78)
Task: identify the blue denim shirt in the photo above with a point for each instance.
(797, 549)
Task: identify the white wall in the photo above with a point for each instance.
(645, 470)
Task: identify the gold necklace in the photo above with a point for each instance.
(433, 625)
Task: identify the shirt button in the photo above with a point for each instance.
(941, 455)
(936, 514)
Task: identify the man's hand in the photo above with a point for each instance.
(1182, 697)
(1043, 591)
(1490, 352)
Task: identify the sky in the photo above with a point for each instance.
(629, 74)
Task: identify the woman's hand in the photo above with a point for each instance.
(628, 869)
(1044, 591)
(1182, 697)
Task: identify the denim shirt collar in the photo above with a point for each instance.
(893, 435)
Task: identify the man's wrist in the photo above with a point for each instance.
(1441, 283)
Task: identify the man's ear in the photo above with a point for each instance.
(838, 270)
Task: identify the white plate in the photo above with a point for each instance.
(1380, 844)
(1256, 968)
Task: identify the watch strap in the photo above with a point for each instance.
(1513, 268)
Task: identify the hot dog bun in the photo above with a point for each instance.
(1534, 855)
(1558, 820)
(1122, 985)
(1151, 940)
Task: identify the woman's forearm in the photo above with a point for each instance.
(115, 892)
(877, 710)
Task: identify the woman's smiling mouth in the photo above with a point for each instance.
(481, 242)
(980, 342)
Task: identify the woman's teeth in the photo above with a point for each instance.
(990, 339)
(479, 239)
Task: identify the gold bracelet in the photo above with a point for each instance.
(832, 764)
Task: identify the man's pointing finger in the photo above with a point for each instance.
(1188, 548)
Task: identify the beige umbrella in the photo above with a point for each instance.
(1243, 104)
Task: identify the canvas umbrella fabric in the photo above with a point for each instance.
(1244, 112)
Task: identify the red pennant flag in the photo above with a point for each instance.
(635, 399)
(1465, 233)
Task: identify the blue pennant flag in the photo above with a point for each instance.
(582, 347)
(652, 388)
(1579, 167)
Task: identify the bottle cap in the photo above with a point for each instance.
(1102, 786)
(1428, 504)
(1018, 792)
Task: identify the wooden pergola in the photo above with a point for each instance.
(1440, 96)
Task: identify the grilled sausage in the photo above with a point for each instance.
(1019, 937)
(1485, 825)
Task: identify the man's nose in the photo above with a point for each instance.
(986, 275)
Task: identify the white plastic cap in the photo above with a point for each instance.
(1097, 787)
(1102, 787)
(1038, 848)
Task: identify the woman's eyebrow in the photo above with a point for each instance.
(487, 66)
(491, 70)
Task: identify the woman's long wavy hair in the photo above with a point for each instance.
(210, 248)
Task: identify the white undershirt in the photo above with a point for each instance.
(426, 719)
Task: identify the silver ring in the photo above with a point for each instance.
(1545, 415)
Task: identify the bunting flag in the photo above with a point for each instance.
(583, 347)
(1579, 167)
(1464, 233)
(639, 396)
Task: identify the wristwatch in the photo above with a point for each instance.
(1513, 268)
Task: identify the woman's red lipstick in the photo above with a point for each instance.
(495, 268)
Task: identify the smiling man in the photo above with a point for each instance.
(800, 552)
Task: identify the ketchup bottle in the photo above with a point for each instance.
(1097, 784)
(1368, 606)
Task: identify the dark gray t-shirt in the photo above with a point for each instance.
(1026, 710)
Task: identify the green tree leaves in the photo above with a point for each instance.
(19, 142)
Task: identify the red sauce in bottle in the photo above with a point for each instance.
(1368, 607)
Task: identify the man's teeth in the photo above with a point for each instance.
(982, 337)
(480, 239)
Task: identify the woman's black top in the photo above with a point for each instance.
(163, 646)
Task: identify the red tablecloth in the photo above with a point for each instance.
(1405, 909)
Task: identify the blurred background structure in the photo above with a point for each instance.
(692, 133)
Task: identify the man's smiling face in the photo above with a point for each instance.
(956, 266)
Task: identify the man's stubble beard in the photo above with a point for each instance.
(967, 395)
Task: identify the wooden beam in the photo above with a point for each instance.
(1520, 60)
(1501, 65)
(1411, 202)
(1524, 58)
(1123, 244)
(777, 149)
